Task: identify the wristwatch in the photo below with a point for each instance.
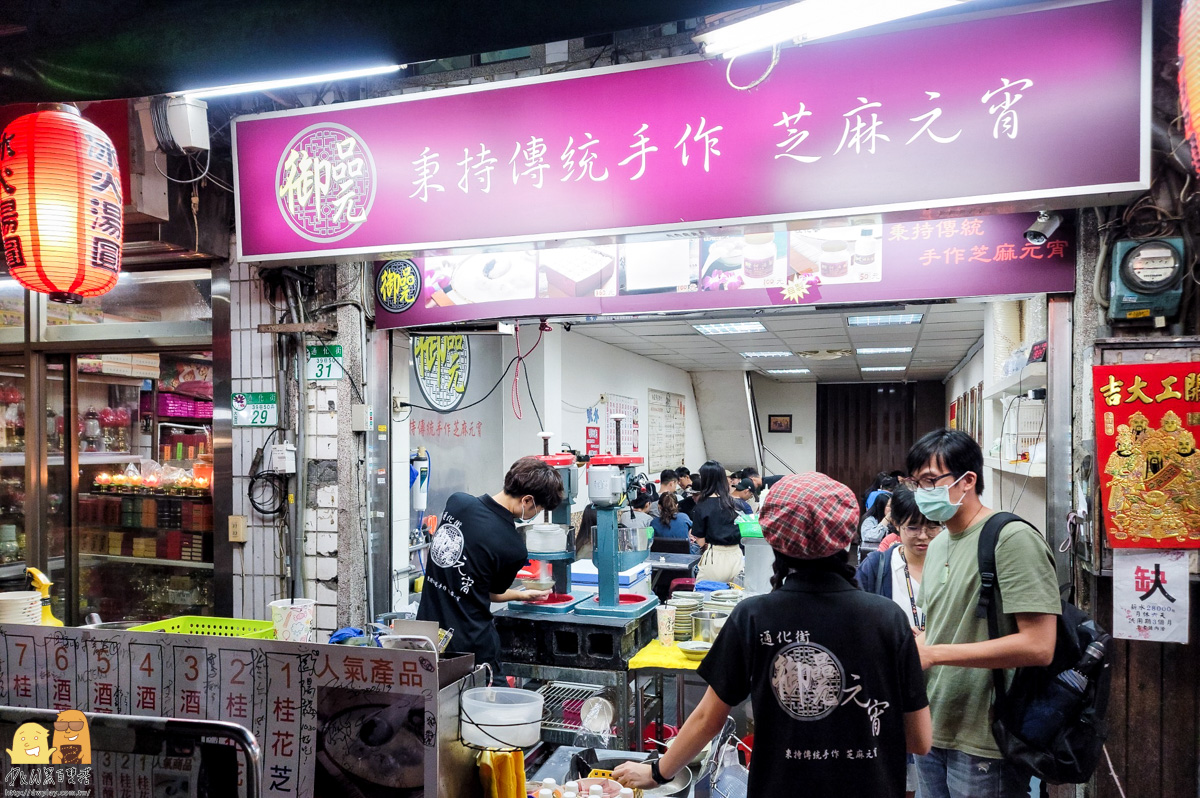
(656, 774)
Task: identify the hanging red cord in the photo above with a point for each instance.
(516, 385)
(516, 393)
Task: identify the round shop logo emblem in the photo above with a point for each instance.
(443, 365)
(239, 402)
(398, 285)
(807, 680)
(447, 546)
(325, 182)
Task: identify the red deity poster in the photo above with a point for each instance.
(1147, 417)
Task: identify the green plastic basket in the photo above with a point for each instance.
(749, 527)
(205, 625)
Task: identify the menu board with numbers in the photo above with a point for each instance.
(306, 704)
(666, 431)
(627, 406)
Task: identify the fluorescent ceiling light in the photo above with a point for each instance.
(766, 354)
(811, 20)
(729, 328)
(282, 83)
(884, 368)
(884, 321)
(884, 350)
(787, 371)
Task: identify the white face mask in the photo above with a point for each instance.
(523, 520)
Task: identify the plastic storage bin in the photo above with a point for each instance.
(501, 717)
(204, 625)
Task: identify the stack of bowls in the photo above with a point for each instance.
(21, 606)
(722, 603)
(684, 607)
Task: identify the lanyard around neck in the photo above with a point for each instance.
(918, 619)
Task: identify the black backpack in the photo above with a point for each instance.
(1075, 743)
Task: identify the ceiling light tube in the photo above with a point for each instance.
(811, 20)
(883, 368)
(788, 371)
(766, 354)
(884, 350)
(729, 328)
(282, 83)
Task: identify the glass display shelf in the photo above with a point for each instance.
(17, 459)
(204, 566)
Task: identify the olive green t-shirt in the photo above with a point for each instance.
(960, 699)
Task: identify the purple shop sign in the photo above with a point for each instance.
(1050, 104)
(811, 264)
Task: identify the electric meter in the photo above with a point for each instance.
(1147, 278)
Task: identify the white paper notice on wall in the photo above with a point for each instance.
(666, 430)
(1150, 595)
(626, 406)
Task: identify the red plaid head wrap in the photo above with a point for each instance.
(809, 516)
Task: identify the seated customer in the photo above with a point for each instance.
(670, 522)
(742, 492)
(685, 481)
(639, 506)
(668, 482)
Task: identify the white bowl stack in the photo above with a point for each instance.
(21, 606)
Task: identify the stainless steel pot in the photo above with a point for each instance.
(707, 624)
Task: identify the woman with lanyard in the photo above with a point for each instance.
(714, 527)
(896, 572)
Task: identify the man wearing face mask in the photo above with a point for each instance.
(476, 553)
(946, 468)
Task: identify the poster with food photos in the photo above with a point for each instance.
(1147, 421)
(330, 720)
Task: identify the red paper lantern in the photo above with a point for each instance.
(60, 204)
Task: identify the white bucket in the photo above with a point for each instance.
(501, 717)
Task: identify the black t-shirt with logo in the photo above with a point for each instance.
(830, 671)
(476, 551)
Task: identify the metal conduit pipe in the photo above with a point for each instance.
(296, 533)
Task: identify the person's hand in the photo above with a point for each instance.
(923, 649)
(635, 775)
(532, 595)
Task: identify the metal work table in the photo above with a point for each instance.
(661, 561)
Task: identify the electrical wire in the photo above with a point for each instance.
(204, 174)
(492, 390)
(760, 79)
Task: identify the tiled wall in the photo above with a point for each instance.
(259, 564)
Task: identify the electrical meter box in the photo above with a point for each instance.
(1147, 278)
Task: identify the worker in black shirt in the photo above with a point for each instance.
(832, 671)
(476, 553)
(714, 527)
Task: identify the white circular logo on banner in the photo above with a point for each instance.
(442, 364)
(807, 680)
(325, 182)
(447, 546)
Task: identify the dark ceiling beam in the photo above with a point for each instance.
(67, 50)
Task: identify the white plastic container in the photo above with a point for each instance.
(546, 538)
(500, 717)
(760, 564)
